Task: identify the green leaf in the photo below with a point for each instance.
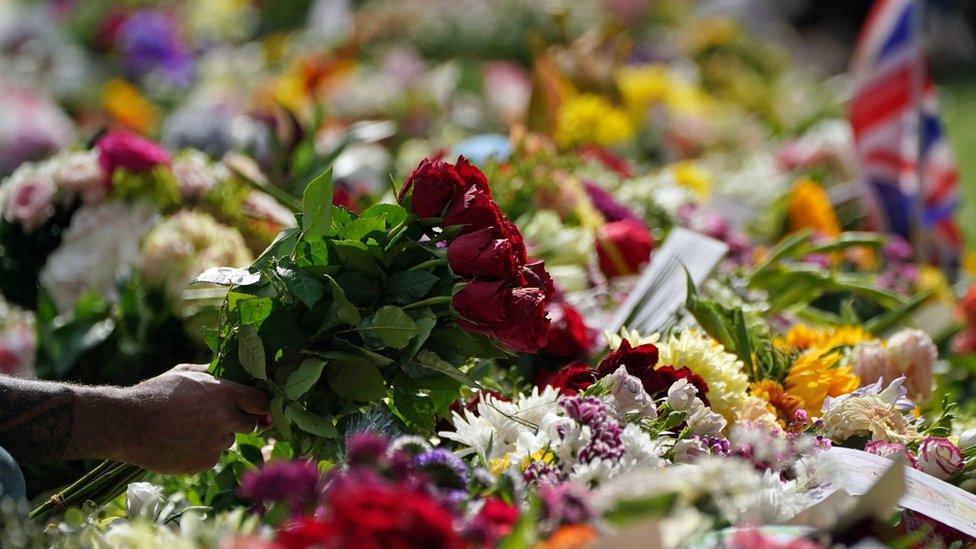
(304, 378)
(392, 326)
(630, 510)
(393, 213)
(250, 350)
(358, 229)
(317, 207)
(211, 337)
(251, 453)
(430, 360)
(277, 409)
(361, 383)
(408, 286)
(425, 325)
(311, 423)
(284, 244)
(301, 284)
(253, 311)
(348, 313)
(415, 409)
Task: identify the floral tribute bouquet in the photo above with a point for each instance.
(388, 308)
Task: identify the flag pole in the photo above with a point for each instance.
(918, 83)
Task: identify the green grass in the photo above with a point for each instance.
(958, 103)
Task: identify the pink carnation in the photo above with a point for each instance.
(940, 458)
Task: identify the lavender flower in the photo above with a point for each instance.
(150, 43)
(443, 468)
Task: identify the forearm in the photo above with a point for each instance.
(43, 421)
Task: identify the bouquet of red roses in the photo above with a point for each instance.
(387, 309)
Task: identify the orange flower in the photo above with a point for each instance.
(809, 208)
(779, 402)
(570, 536)
(815, 376)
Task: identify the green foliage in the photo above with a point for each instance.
(346, 314)
(158, 185)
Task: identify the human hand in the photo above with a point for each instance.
(182, 420)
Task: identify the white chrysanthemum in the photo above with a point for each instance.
(867, 415)
(99, 247)
(727, 382)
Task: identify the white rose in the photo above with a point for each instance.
(80, 173)
(682, 395)
(28, 198)
(144, 500)
(629, 394)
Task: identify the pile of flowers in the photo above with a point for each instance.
(434, 349)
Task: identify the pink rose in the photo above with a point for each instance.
(28, 199)
(121, 149)
(940, 458)
(890, 450)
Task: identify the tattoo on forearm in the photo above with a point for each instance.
(36, 419)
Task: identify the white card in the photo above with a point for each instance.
(662, 287)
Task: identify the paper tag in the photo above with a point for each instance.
(856, 472)
(662, 288)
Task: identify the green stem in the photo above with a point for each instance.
(439, 300)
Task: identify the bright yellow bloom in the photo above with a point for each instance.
(803, 337)
(809, 208)
(932, 278)
(589, 118)
(499, 465)
(542, 454)
(722, 371)
(690, 175)
(645, 86)
(714, 32)
(127, 106)
(815, 376)
(778, 401)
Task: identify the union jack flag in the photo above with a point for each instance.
(894, 102)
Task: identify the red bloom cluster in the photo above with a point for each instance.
(121, 149)
(375, 515)
(571, 379)
(569, 337)
(506, 296)
(640, 362)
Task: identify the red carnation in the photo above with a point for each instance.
(481, 255)
(435, 184)
(571, 379)
(375, 515)
(640, 362)
(569, 337)
(493, 522)
(121, 149)
(623, 247)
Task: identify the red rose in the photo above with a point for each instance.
(514, 316)
(536, 276)
(623, 247)
(481, 255)
(569, 337)
(472, 176)
(570, 379)
(120, 149)
(435, 184)
(475, 210)
(640, 362)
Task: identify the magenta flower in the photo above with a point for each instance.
(294, 482)
(121, 149)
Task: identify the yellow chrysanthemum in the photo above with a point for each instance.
(815, 375)
(543, 455)
(809, 208)
(589, 118)
(692, 176)
(728, 384)
(803, 337)
(127, 106)
(499, 465)
(644, 86)
(778, 401)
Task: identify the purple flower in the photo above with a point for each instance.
(365, 448)
(543, 474)
(605, 441)
(150, 42)
(443, 468)
(565, 503)
(295, 482)
(607, 205)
